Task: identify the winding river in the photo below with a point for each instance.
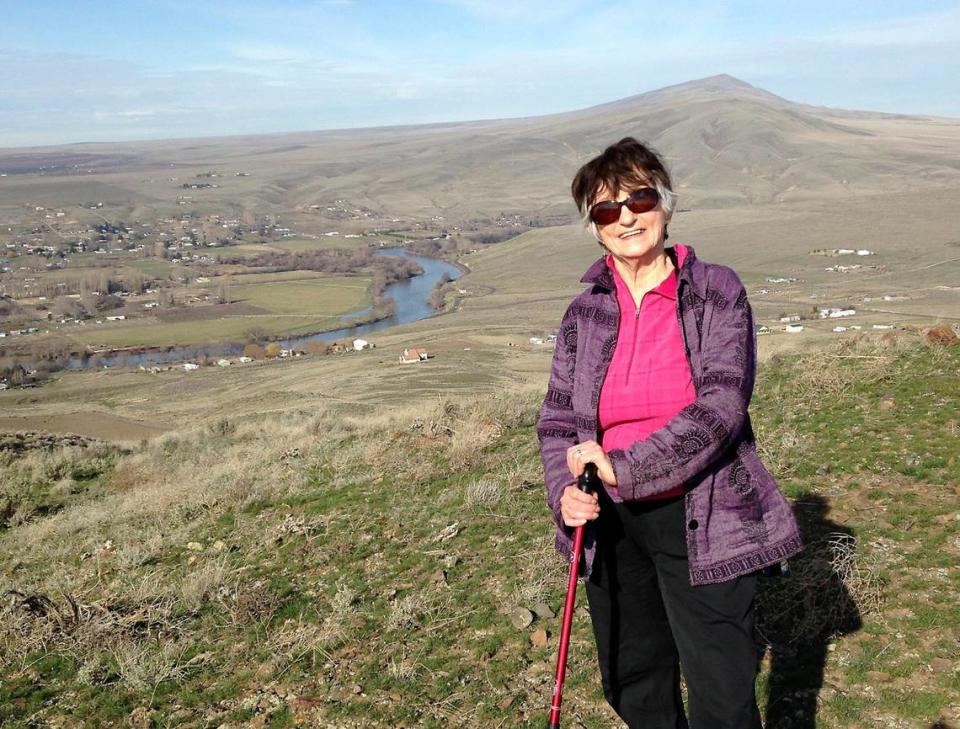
(410, 297)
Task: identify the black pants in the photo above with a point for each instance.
(648, 622)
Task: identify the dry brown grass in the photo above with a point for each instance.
(63, 622)
(144, 666)
(481, 493)
(161, 500)
(174, 482)
(833, 371)
(832, 585)
(941, 334)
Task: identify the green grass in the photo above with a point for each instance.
(330, 586)
(248, 278)
(318, 244)
(242, 250)
(154, 267)
(326, 297)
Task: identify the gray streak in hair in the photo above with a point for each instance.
(668, 203)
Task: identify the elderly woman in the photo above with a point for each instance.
(651, 378)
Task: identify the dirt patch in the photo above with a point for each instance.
(91, 424)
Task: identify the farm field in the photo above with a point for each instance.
(244, 278)
(278, 307)
(320, 243)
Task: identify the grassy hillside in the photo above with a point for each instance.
(324, 568)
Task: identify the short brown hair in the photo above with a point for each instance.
(626, 164)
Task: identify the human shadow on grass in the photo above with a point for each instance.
(800, 612)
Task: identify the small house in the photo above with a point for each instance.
(190, 366)
(360, 344)
(794, 328)
(414, 355)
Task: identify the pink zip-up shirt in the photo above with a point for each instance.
(648, 381)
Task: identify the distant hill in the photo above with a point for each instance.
(727, 142)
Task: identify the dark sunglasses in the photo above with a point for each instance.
(640, 201)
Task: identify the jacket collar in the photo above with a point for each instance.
(692, 274)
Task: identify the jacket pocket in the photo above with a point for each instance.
(737, 492)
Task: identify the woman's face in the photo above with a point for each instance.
(634, 236)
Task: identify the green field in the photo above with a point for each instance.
(329, 297)
(244, 278)
(331, 567)
(243, 250)
(154, 267)
(284, 308)
(319, 244)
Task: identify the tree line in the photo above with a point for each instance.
(384, 270)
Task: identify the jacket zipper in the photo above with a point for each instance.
(683, 333)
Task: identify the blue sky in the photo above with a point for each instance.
(100, 70)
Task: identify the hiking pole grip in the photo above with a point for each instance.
(586, 482)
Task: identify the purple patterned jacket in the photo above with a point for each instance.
(737, 519)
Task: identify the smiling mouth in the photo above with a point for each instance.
(633, 233)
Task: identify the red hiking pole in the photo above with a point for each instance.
(586, 482)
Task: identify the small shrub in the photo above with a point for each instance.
(941, 334)
(223, 428)
(482, 492)
(247, 604)
(203, 585)
(345, 599)
(407, 613)
(143, 666)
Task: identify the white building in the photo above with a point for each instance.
(794, 328)
(836, 313)
(190, 366)
(359, 344)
